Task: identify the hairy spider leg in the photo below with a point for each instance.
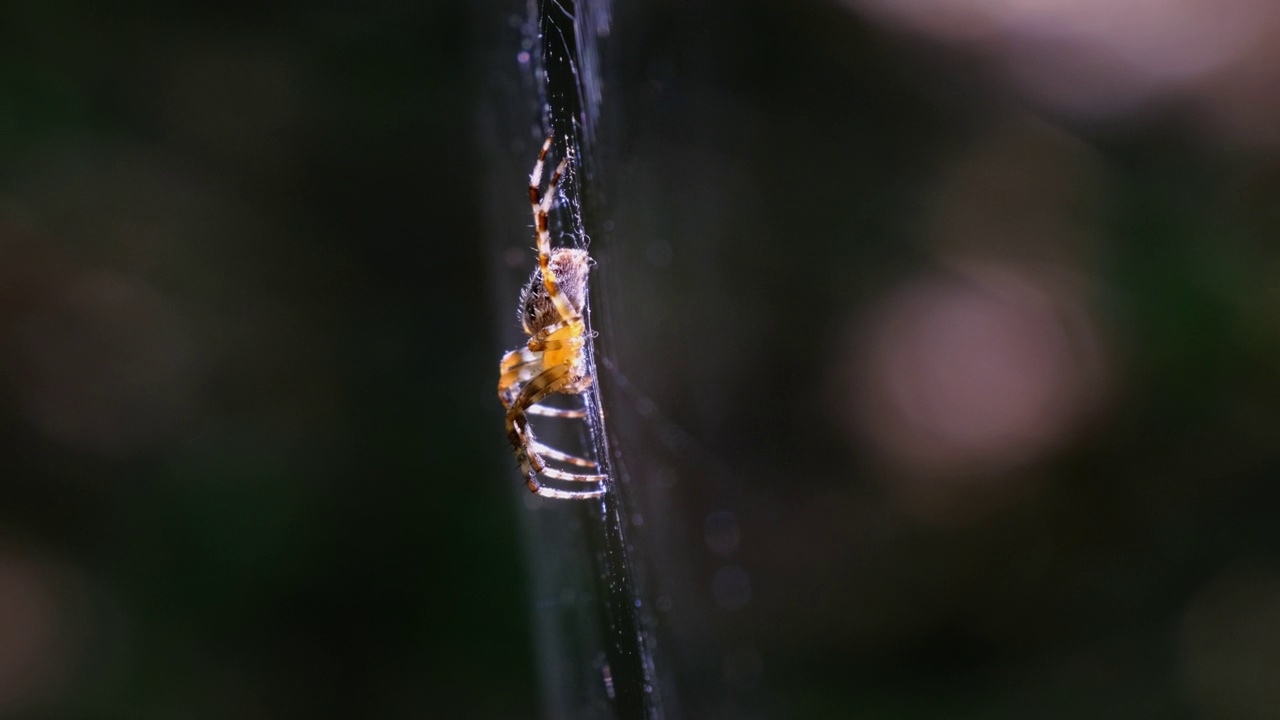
(553, 337)
(550, 492)
(557, 344)
(561, 344)
(554, 454)
(545, 411)
(518, 432)
(541, 210)
(507, 396)
(518, 367)
(514, 381)
(535, 177)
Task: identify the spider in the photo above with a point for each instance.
(554, 360)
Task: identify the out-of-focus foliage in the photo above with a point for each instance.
(247, 441)
(957, 326)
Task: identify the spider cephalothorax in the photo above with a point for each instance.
(554, 359)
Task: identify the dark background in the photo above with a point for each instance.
(946, 349)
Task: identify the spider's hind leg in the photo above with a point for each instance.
(559, 494)
(545, 411)
(554, 454)
(547, 382)
(529, 450)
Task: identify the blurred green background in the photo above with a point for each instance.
(250, 438)
(947, 341)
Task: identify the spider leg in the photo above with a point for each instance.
(517, 368)
(549, 199)
(512, 381)
(518, 432)
(550, 492)
(522, 364)
(572, 343)
(526, 448)
(511, 384)
(535, 177)
(541, 209)
(519, 356)
(554, 454)
(545, 411)
(546, 339)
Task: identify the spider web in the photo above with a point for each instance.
(592, 621)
